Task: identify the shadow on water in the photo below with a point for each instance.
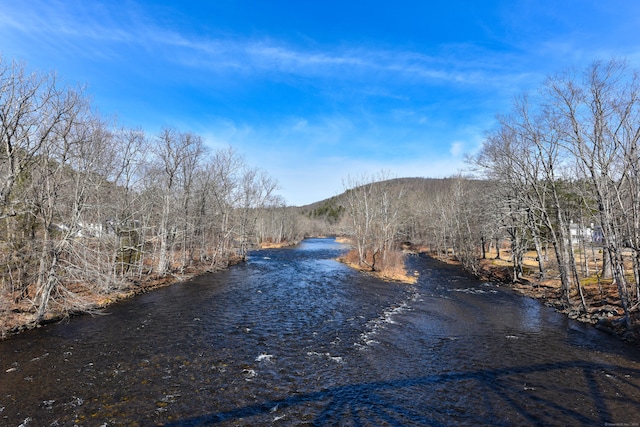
(508, 399)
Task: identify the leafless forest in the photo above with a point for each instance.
(88, 206)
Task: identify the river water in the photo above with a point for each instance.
(293, 337)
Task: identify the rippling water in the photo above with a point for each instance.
(294, 338)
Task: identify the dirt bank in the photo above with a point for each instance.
(16, 317)
(82, 299)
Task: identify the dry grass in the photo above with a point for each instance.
(390, 267)
(83, 298)
(342, 239)
(273, 245)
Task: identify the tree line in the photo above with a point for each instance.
(85, 202)
(566, 160)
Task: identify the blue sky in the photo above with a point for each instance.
(315, 91)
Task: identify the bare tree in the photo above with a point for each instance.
(62, 185)
(33, 109)
(525, 153)
(256, 192)
(178, 157)
(220, 190)
(124, 223)
(374, 210)
(598, 119)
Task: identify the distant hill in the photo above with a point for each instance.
(331, 209)
(411, 185)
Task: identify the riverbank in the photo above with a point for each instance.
(604, 309)
(21, 316)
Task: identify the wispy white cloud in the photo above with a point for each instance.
(82, 24)
(456, 148)
(64, 19)
(344, 108)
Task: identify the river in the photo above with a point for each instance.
(293, 337)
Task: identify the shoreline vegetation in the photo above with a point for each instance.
(392, 267)
(605, 311)
(604, 308)
(22, 317)
(86, 301)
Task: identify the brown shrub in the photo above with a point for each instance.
(388, 266)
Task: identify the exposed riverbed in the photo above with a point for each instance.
(293, 337)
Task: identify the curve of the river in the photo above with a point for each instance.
(293, 337)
